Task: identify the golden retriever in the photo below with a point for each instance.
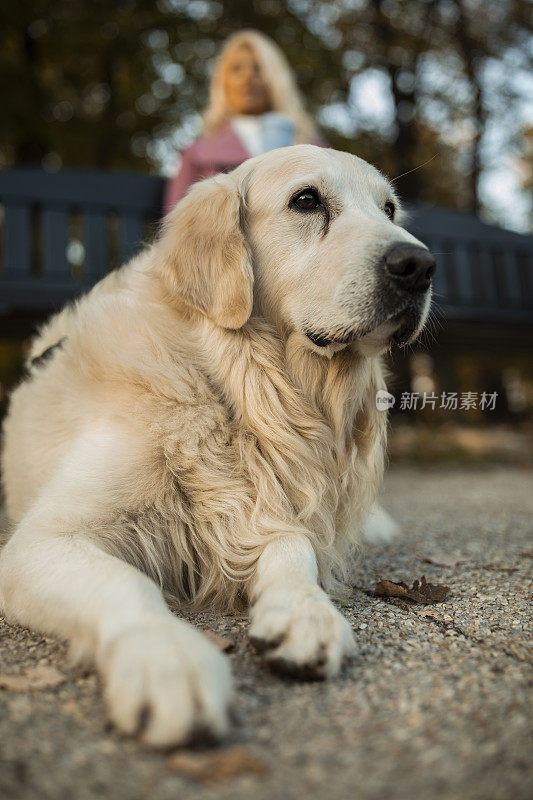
(202, 427)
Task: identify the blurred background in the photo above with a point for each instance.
(439, 92)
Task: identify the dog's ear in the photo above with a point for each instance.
(203, 255)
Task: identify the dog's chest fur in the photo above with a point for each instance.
(264, 438)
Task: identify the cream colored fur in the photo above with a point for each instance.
(188, 438)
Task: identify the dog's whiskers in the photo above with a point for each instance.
(420, 166)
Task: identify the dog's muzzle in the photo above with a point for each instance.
(406, 272)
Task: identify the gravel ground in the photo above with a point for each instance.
(434, 705)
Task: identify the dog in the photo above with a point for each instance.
(201, 430)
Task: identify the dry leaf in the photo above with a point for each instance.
(221, 642)
(215, 766)
(391, 589)
(33, 679)
(420, 592)
(443, 560)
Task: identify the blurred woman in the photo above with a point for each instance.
(254, 106)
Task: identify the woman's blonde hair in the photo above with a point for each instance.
(277, 74)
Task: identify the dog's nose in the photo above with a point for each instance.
(410, 266)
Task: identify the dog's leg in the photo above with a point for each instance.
(162, 678)
(292, 619)
(379, 527)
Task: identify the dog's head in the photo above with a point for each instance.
(307, 237)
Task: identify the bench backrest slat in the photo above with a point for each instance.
(17, 241)
(490, 289)
(55, 223)
(130, 235)
(463, 271)
(512, 278)
(95, 243)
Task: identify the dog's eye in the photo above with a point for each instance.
(390, 209)
(307, 200)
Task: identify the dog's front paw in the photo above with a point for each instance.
(167, 683)
(300, 632)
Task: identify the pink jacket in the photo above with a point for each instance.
(221, 152)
